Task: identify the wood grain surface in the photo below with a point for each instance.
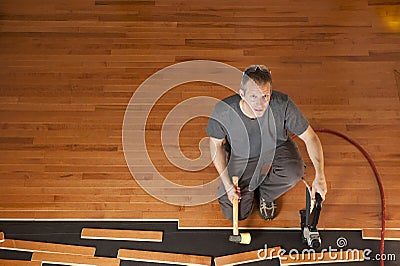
(126, 235)
(71, 259)
(163, 257)
(33, 246)
(68, 70)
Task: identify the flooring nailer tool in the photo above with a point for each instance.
(309, 219)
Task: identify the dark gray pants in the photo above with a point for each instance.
(286, 170)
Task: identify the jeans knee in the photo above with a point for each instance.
(242, 215)
(295, 171)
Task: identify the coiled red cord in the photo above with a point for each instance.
(379, 181)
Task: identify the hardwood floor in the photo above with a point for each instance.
(70, 68)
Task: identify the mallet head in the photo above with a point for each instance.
(242, 238)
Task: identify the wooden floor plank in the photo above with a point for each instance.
(34, 246)
(163, 257)
(71, 259)
(327, 257)
(248, 257)
(125, 235)
(375, 234)
(19, 263)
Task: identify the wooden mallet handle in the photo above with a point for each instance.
(235, 208)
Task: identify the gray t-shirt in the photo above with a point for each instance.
(286, 115)
(255, 139)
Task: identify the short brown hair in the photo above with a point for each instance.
(260, 74)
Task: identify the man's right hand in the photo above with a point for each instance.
(234, 194)
(218, 154)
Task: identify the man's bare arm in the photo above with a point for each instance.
(218, 155)
(314, 149)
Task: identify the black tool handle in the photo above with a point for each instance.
(316, 211)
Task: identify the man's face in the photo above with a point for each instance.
(256, 98)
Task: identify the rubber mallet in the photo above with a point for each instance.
(243, 238)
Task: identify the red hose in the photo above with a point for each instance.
(378, 179)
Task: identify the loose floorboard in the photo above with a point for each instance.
(69, 259)
(163, 257)
(390, 234)
(34, 246)
(322, 258)
(19, 263)
(125, 235)
(248, 257)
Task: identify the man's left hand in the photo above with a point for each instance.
(319, 185)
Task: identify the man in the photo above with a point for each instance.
(250, 138)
